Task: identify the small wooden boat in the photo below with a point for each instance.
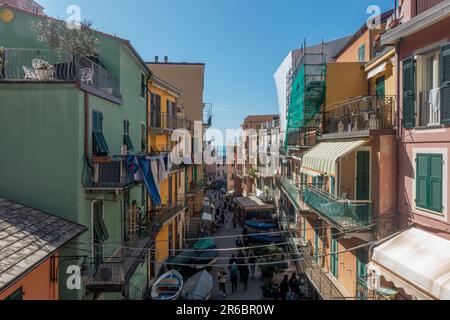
(168, 287)
(199, 286)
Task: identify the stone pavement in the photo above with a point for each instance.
(253, 291)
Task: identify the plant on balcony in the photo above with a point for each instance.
(62, 36)
(270, 255)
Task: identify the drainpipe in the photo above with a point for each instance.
(399, 132)
(86, 124)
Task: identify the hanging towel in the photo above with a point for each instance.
(162, 169)
(133, 165)
(435, 106)
(155, 172)
(169, 162)
(149, 181)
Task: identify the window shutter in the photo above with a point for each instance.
(435, 187)
(445, 85)
(408, 93)
(422, 178)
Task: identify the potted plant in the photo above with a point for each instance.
(269, 268)
(43, 69)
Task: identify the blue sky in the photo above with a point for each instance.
(242, 42)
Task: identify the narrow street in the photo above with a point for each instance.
(253, 291)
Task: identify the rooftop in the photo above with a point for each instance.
(28, 237)
(261, 118)
(252, 203)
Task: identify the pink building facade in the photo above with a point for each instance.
(28, 5)
(416, 261)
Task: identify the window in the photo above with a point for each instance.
(155, 111)
(362, 53)
(143, 137)
(143, 86)
(334, 254)
(429, 176)
(126, 135)
(16, 295)
(99, 145)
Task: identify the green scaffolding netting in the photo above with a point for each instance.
(307, 97)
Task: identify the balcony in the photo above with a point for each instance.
(195, 187)
(424, 5)
(361, 116)
(107, 175)
(321, 280)
(166, 121)
(345, 215)
(207, 115)
(42, 65)
(165, 213)
(294, 193)
(115, 274)
(304, 138)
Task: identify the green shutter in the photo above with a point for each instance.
(422, 178)
(435, 183)
(445, 85)
(334, 256)
(408, 93)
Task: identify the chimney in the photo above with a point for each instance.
(156, 59)
(166, 59)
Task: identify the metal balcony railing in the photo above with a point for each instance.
(424, 5)
(360, 114)
(304, 137)
(294, 192)
(168, 121)
(38, 65)
(207, 114)
(161, 215)
(319, 278)
(195, 187)
(107, 174)
(346, 214)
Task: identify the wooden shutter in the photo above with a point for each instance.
(445, 85)
(435, 183)
(408, 93)
(422, 178)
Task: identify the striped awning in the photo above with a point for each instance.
(322, 158)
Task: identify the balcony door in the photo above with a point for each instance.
(362, 182)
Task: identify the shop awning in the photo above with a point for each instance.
(322, 158)
(416, 261)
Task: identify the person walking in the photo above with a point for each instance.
(244, 272)
(252, 262)
(239, 243)
(292, 296)
(235, 223)
(232, 261)
(234, 276)
(284, 287)
(294, 285)
(227, 223)
(222, 278)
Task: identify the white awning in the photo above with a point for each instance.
(377, 70)
(416, 261)
(322, 158)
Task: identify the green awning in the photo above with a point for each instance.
(204, 244)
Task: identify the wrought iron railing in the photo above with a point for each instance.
(304, 137)
(37, 65)
(345, 214)
(166, 212)
(361, 113)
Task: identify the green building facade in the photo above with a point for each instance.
(50, 154)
